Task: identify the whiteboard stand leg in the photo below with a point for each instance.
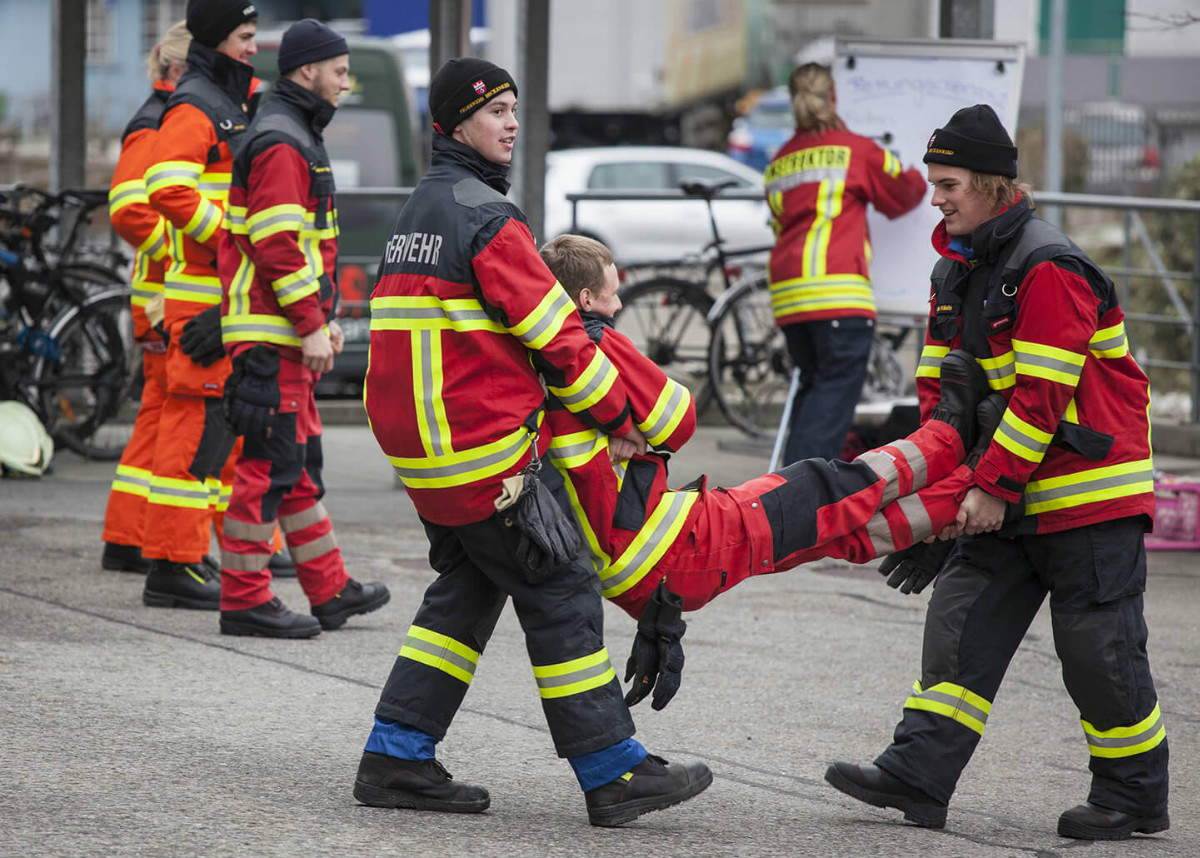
(784, 422)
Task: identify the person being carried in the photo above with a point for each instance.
(659, 552)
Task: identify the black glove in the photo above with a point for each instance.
(548, 537)
(913, 568)
(252, 392)
(201, 337)
(656, 662)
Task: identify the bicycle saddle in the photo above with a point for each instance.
(706, 189)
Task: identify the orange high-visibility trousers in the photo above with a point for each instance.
(125, 515)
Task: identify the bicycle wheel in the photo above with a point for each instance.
(886, 377)
(85, 388)
(666, 318)
(749, 367)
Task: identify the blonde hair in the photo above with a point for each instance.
(578, 262)
(811, 89)
(1001, 190)
(172, 49)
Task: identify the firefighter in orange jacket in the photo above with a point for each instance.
(819, 186)
(1073, 446)
(188, 183)
(463, 316)
(658, 551)
(277, 262)
(138, 223)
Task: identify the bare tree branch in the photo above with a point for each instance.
(1173, 21)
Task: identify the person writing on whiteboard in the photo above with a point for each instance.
(818, 187)
(1073, 449)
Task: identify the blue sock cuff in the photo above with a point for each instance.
(400, 740)
(600, 767)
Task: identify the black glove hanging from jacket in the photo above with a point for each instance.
(913, 568)
(201, 337)
(252, 392)
(656, 662)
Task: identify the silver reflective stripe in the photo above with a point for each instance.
(881, 535)
(310, 551)
(668, 413)
(292, 287)
(238, 294)
(580, 396)
(1017, 436)
(885, 468)
(305, 518)
(633, 567)
(916, 515)
(195, 288)
(1052, 364)
(815, 174)
(916, 462)
(1114, 342)
(286, 217)
(230, 330)
(567, 451)
(1124, 741)
(430, 395)
(248, 530)
(244, 562)
(581, 675)
(520, 442)
(548, 317)
(1088, 486)
(162, 176)
(955, 702)
(441, 653)
(1000, 373)
(211, 216)
(199, 494)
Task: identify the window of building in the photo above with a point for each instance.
(99, 24)
(157, 17)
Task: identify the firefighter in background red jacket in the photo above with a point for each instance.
(818, 186)
(657, 551)
(188, 183)
(1073, 446)
(277, 262)
(136, 221)
(463, 317)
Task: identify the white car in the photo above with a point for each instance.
(644, 230)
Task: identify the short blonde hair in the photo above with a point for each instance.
(1001, 190)
(578, 262)
(172, 49)
(811, 89)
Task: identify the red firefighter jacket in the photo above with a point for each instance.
(629, 518)
(463, 317)
(818, 187)
(131, 214)
(1043, 321)
(188, 180)
(278, 253)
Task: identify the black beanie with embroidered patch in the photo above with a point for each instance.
(462, 86)
(974, 138)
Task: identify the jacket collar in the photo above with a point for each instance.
(589, 316)
(447, 150)
(316, 110)
(990, 236)
(231, 77)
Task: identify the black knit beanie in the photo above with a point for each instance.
(975, 139)
(462, 86)
(211, 21)
(309, 41)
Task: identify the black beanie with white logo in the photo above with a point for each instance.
(462, 86)
(975, 139)
(211, 21)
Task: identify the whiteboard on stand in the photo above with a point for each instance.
(898, 91)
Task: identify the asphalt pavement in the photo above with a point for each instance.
(132, 731)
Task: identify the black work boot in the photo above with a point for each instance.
(963, 384)
(281, 565)
(876, 787)
(988, 415)
(385, 781)
(652, 784)
(123, 558)
(181, 585)
(355, 598)
(271, 619)
(1090, 822)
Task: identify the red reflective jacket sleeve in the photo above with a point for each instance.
(663, 409)
(893, 190)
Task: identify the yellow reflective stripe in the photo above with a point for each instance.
(291, 288)
(546, 319)
(1001, 370)
(166, 174)
(575, 676)
(652, 541)
(215, 186)
(810, 294)
(428, 380)
(1109, 342)
(134, 481)
(198, 288)
(239, 288)
(1143, 736)
(953, 702)
(930, 365)
(1090, 486)
(1071, 415)
(166, 491)
(806, 166)
(593, 384)
(461, 468)
(126, 194)
(155, 245)
(258, 328)
(1053, 364)
(235, 219)
(427, 313)
(891, 164)
(668, 412)
(204, 222)
(576, 449)
(598, 555)
(441, 653)
(1022, 439)
(287, 217)
(816, 242)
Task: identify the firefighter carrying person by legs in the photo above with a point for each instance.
(277, 262)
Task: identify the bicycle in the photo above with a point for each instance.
(66, 328)
(665, 314)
